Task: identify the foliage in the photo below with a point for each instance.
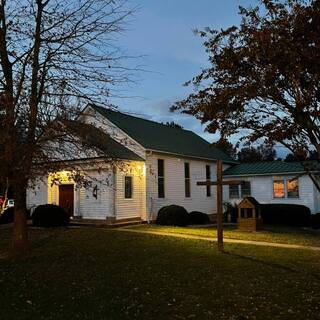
(173, 124)
(173, 215)
(196, 217)
(55, 58)
(315, 220)
(7, 216)
(264, 78)
(230, 213)
(263, 152)
(286, 214)
(50, 215)
(227, 147)
(312, 155)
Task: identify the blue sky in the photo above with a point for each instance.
(162, 31)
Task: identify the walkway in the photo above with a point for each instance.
(250, 242)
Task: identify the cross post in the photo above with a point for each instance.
(219, 183)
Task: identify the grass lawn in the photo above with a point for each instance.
(86, 273)
(298, 236)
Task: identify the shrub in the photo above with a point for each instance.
(173, 216)
(7, 216)
(315, 221)
(286, 214)
(196, 217)
(50, 215)
(231, 213)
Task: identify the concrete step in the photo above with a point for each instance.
(103, 223)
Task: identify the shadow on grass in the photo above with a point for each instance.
(272, 264)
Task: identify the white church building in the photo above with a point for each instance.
(160, 165)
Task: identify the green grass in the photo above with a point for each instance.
(88, 273)
(298, 236)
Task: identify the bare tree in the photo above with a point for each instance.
(55, 56)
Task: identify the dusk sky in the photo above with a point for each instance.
(162, 31)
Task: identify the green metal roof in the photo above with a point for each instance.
(92, 137)
(159, 137)
(264, 168)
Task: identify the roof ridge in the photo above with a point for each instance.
(158, 136)
(139, 118)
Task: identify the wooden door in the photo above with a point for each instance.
(66, 196)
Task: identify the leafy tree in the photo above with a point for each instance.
(264, 76)
(227, 147)
(301, 157)
(290, 157)
(249, 154)
(173, 124)
(267, 152)
(263, 152)
(55, 57)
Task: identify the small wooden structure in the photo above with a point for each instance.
(249, 217)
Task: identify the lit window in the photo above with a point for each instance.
(234, 192)
(278, 189)
(293, 188)
(128, 187)
(161, 178)
(245, 189)
(187, 191)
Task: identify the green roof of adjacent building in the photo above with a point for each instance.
(267, 167)
(163, 138)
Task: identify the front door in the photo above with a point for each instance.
(66, 195)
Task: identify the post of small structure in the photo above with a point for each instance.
(219, 206)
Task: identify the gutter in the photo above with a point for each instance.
(190, 156)
(264, 174)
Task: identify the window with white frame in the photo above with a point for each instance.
(161, 193)
(245, 189)
(208, 178)
(234, 192)
(286, 188)
(187, 187)
(128, 186)
(240, 191)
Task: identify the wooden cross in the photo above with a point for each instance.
(219, 183)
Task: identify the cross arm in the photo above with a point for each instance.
(215, 183)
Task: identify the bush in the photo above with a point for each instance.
(230, 212)
(50, 215)
(7, 216)
(286, 214)
(315, 221)
(196, 217)
(173, 216)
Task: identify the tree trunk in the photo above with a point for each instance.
(20, 243)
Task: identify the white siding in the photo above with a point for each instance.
(89, 207)
(136, 206)
(94, 118)
(175, 184)
(38, 194)
(262, 190)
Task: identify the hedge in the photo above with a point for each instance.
(50, 215)
(196, 217)
(286, 214)
(173, 215)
